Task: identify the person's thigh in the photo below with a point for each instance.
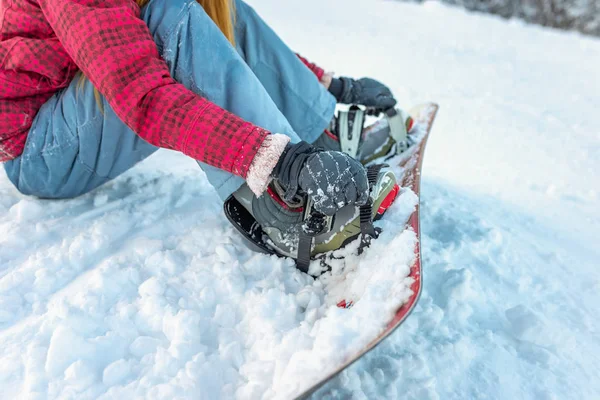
(75, 144)
(200, 57)
(295, 89)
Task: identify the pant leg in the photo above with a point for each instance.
(201, 58)
(69, 153)
(74, 145)
(300, 97)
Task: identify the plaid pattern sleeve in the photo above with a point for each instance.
(112, 46)
(318, 71)
(33, 66)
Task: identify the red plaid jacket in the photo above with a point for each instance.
(43, 43)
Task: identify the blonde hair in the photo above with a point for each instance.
(222, 12)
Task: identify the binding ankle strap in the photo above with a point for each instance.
(350, 127)
(316, 224)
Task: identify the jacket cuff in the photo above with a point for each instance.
(259, 173)
(336, 88)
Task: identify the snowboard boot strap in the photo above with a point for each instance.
(367, 230)
(316, 224)
(350, 127)
(398, 128)
(350, 123)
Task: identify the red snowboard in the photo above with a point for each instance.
(411, 162)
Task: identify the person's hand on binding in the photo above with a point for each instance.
(365, 91)
(331, 179)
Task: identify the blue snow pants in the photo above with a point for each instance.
(74, 145)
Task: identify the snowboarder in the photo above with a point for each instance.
(89, 88)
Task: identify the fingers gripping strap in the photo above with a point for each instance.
(350, 126)
(289, 166)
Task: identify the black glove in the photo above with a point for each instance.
(332, 179)
(365, 91)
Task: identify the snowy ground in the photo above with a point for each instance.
(141, 289)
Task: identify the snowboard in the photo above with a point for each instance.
(411, 163)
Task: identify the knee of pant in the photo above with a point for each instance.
(245, 14)
(242, 8)
(163, 16)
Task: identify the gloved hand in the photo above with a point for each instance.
(364, 91)
(332, 179)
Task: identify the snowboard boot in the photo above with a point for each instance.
(272, 225)
(387, 137)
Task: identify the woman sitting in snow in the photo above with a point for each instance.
(209, 79)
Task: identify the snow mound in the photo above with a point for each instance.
(143, 281)
(142, 290)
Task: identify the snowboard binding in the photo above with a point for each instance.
(388, 137)
(316, 223)
(320, 234)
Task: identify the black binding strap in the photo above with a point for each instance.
(373, 173)
(367, 230)
(304, 249)
(316, 223)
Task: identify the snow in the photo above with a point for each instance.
(141, 289)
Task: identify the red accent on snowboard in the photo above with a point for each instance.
(411, 162)
(343, 304)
